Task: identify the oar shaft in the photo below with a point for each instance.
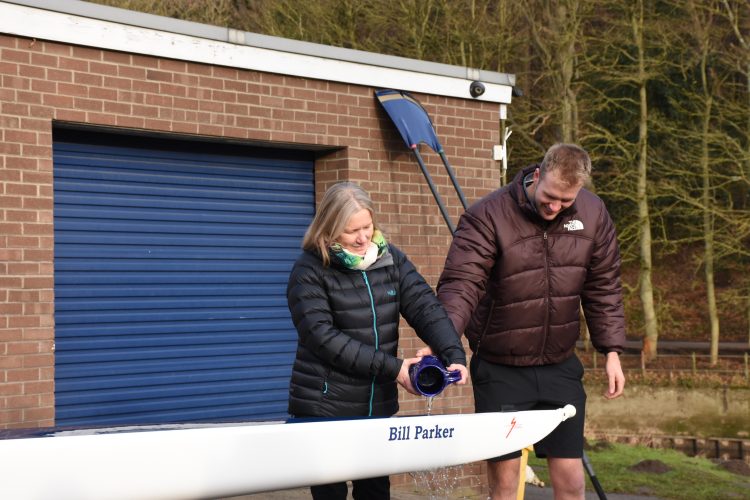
(435, 194)
(453, 179)
(592, 475)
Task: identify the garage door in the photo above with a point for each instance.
(171, 264)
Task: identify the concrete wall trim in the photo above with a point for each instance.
(220, 46)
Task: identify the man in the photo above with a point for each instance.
(522, 262)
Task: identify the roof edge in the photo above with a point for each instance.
(229, 35)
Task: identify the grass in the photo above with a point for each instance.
(688, 478)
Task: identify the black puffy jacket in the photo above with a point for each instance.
(347, 321)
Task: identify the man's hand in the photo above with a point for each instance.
(462, 369)
(615, 376)
(427, 351)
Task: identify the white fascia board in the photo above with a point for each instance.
(61, 27)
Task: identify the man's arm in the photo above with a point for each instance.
(467, 268)
(601, 297)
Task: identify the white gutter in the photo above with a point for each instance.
(70, 22)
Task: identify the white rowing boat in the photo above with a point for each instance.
(213, 461)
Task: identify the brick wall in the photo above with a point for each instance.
(44, 82)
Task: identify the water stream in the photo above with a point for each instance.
(439, 483)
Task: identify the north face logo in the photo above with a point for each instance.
(573, 225)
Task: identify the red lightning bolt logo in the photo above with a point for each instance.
(512, 426)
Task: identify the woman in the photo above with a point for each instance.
(346, 293)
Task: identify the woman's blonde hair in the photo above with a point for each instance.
(340, 202)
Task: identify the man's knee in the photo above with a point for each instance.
(503, 478)
(566, 475)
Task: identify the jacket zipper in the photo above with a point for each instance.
(547, 294)
(377, 339)
(486, 326)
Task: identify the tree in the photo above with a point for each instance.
(738, 15)
(651, 328)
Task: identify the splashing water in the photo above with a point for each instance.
(438, 483)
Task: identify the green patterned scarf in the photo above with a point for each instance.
(378, 248)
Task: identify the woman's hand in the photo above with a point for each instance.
(403, 378)
(425, 351)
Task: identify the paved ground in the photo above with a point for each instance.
(532, 493)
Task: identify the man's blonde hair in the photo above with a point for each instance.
(570, 161)
(340, 202)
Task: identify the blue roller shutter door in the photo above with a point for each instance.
(171, 264)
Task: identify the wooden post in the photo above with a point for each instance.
(695, 363)
(522, 473)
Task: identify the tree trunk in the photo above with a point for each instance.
(650, 326)
(747, 82)
(708, 231)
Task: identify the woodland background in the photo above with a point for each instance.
(657, 91)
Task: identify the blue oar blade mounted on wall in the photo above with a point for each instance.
(415, 127)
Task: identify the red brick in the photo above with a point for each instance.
(130, 72)
(72, 64)
(102, 118)
(43, 416)
(117, 108)
(20, 189)
(103, 94)
(37, 360)
(11, 362)
(41, 387)
(57, 101)
(112, 82)
(159, 76)
(37, 203)
(88, 79)
(39, 59)
(9, 41)
(116, 57)
(18, 56)
(88, 104)
(145, 61)
(172, 65)
(14, 389)
(12, 418)
(127, 121)
(30, 71)
(73, 89)
(37, 334)
(35, 124)
(150, 87)
(32, 283)
(127, 96)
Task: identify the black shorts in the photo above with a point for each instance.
(518, 388)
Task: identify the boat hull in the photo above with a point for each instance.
(238, 459)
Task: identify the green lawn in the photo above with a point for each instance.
(688, 478)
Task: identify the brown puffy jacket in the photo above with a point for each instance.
(513, 282)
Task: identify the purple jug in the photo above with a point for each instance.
(429, 376)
